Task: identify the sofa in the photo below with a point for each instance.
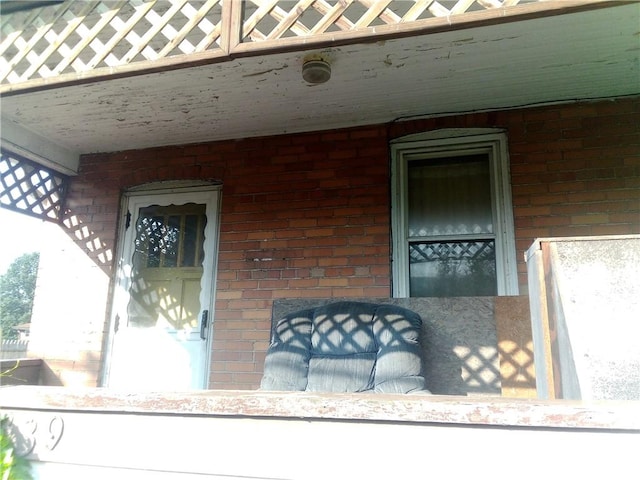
(346, 346)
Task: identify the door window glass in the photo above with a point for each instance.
(167, 266)
(168, 237)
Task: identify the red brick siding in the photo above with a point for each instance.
(308, 215)
(302, 216)
(584, 166)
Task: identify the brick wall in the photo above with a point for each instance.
(309, 215)
(576, 171)
(302, 216)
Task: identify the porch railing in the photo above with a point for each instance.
(71, 40)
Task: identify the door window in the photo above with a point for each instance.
(167, 266)
(170, 237)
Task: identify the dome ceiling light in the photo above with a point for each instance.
(316, 69)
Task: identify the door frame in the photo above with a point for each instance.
(207, 193)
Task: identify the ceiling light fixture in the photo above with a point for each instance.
(316, 70)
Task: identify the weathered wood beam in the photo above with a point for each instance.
(23, 142)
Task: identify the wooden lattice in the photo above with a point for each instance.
(272, 19)
(89, 36)
(31, 189)
(79, 36)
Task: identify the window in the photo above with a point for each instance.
(170, 236)
(452, 217)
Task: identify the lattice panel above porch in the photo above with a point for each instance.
(31, 189)
(80, 36)
(93, 38)
(273, 19)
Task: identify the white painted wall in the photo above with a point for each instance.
(68, 318)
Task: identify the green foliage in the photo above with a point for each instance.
(17, 287)
(12, 467)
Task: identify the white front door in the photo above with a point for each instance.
(163, 304)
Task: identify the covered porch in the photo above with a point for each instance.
(100, 99)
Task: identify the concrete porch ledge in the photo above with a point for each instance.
(102, 434)
(437, 409)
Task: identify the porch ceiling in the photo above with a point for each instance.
(589, 54)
